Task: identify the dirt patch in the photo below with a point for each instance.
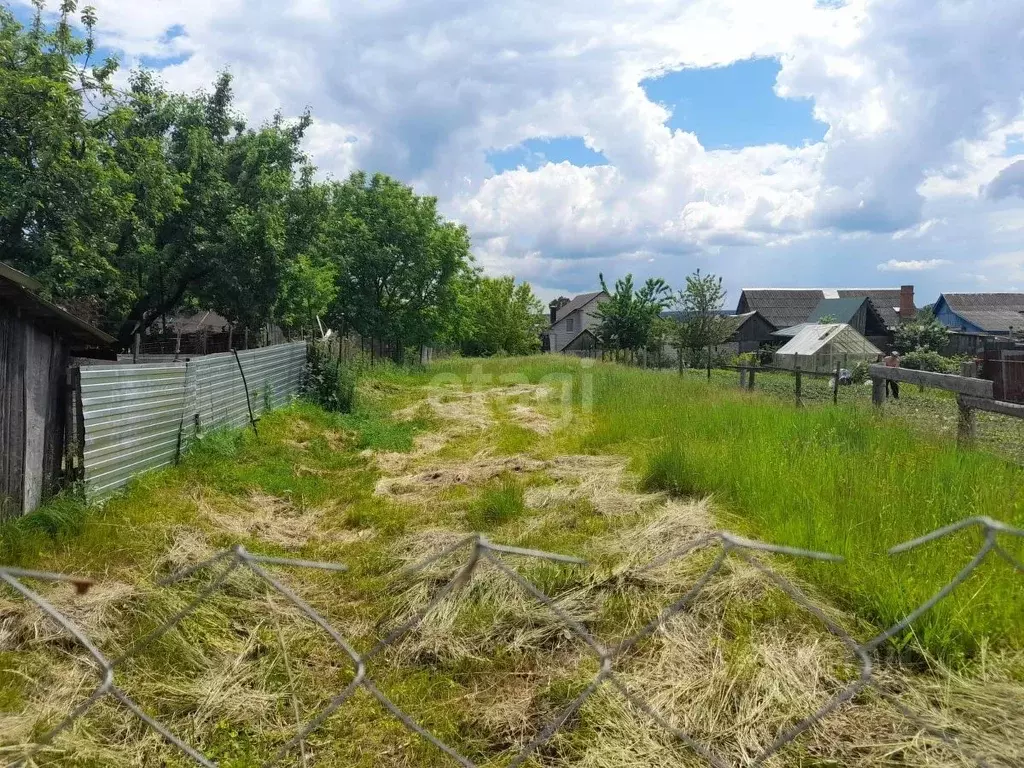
(423, 485)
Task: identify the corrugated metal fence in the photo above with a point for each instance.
(140, 417)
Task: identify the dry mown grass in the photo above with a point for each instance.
(489, 666)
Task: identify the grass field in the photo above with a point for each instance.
(931, 411)
(619, 478)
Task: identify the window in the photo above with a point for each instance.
(570, 324)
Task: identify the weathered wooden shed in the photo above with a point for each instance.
(37, 339)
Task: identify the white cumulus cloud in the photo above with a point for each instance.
(924, 104)
(914, 265)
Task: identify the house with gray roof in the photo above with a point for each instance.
(786, 307)
(981, 314)
(573, 322)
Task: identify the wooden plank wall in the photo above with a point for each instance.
(33, 416)
(12, 414)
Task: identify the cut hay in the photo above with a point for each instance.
(600, 480)
(423, 485)
(532, 419)
(262, 516)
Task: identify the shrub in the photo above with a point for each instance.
(329, 383)
(859, 373)
(747, 358)
(927, 360)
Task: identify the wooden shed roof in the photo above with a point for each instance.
(19, 290)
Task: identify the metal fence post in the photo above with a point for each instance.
(798, 383)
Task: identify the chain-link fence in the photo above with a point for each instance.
(477, 549)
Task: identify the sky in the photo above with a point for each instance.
(791, 143)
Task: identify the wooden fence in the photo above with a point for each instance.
(972, 394)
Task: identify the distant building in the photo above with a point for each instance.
(573, 322)
(747, 332)
(982, 314)
(824, 346)
(787, 307)
(37, 340)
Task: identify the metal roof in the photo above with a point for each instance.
(577, 303)
(20, 290)
(988, 311)
(840, 310)
(814, 336)
(789, 333)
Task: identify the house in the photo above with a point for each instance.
(37, 340)
(981, 314)
(746, 333)
(824, 346)
(787, 307)
(858, 312)
(569, 319)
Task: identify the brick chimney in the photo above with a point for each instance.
(907, 308)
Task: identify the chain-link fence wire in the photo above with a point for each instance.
(479, 549)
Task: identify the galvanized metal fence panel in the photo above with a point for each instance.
(217, 389)
(132, 416)
(140, 417)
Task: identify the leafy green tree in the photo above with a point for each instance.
(702, 327)
(924, 333)
(401, 262)
(129, 205)
(504, 318)
(627, 317)
(59, 204)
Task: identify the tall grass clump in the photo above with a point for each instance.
(839, 480)
(500, 503)
(330, 383)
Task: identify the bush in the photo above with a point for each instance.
(746, 359)
(329, 384)
(859, 373)
(927, 360)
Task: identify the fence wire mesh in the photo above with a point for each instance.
(477, 549)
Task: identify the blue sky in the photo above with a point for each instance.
(735, 106)
(791, 143)
(533, 153)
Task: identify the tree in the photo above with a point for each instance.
(503, 318)
(59, 201)
(924, 333)
(314, 259)
(402, 262)
(627, 317)
(129, 205)
(702, 326)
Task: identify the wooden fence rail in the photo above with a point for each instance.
(971, 394)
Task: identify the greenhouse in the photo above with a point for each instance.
(823, 347)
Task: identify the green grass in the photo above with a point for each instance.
(500, 503)
(842, 480)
